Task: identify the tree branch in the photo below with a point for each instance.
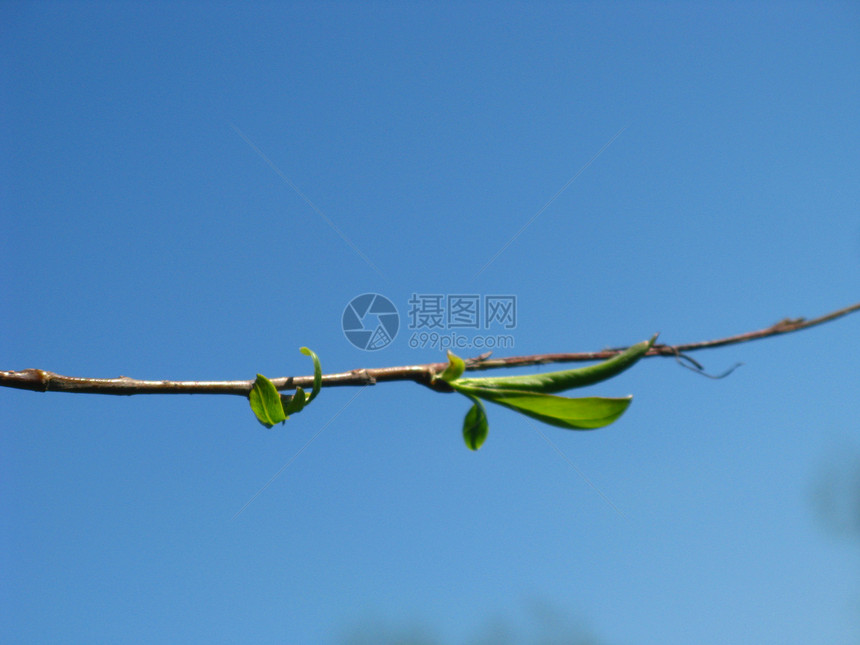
(44, 381)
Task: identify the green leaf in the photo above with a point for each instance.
(317, 373)
(266, 402)
(475, 425)
(271, 407)
(455, 368)
(574, 414)
(296, 402)
(552, 382)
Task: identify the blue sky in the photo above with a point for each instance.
(194, 191)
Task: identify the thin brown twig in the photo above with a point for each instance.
(45, 381)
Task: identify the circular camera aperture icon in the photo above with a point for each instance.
(370, 321)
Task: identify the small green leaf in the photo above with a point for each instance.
(266, 402)
(271, 407)
(574, 414)
(475, 425)
(296, 402)
(455, 368)
(317, 373)
(552, 382)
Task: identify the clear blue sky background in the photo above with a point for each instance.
(145, 233)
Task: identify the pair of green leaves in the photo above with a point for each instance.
(272, 407)
(533, 395)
